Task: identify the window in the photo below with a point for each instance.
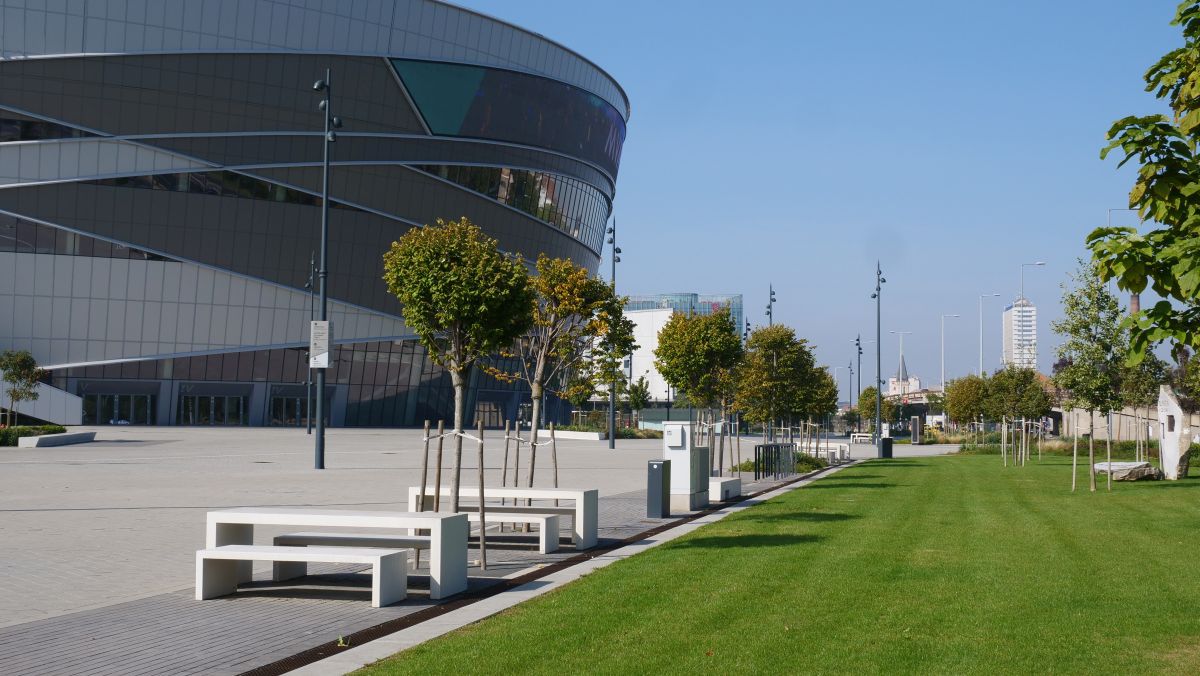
(477, 102)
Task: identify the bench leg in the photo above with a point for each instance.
(548, 537)
(288, 570)
(221, 534)
(586, 519)
(215, 577)
(389, 579)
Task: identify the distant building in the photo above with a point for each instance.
(902, 384)
(1020, 334)
(698, 303)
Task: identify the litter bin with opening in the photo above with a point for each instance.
(885, 447)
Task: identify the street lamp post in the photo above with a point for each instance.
(771, 307)
(1023, 266)
(878, 296)
(332, 122)
(612, 387)
(858, 349)
(944, 352)
(311, 287)
(981, 297)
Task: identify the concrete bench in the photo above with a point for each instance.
(217, 567)
(860, 438)
(293, 569)
(721, 489)
(584, 515)
(63, 439)
(547, 525)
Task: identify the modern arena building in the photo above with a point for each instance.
(160, 181)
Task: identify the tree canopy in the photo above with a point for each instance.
(1166, 258)
(1015, 392)
(776, 373)
(866, 407)
(695, 353)
(1090, 356)
(966, 398)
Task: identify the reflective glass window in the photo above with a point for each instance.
(13, 128)
(459, 100)
(566, 203)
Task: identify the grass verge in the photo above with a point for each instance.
(935, 565)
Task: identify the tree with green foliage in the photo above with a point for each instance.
(1167, 150)
(775, 376)
(21, 376)
(568, 317)
(866, 408)
(966, 398)
(692, 352)
(698, 354)
(464, 299)
(638, 394)
(1139, 389)
(822, 395)
(1091, 354)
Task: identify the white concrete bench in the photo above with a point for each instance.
(292, 569)
(584, 515)
(721, 489)
(62, 439)
(217, 567)
(860, 438)
(547, 525)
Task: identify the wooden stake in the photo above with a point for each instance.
(437, 475)
(482, 507)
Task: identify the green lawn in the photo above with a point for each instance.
(943, 565)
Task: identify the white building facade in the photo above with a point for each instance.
(1020, 334)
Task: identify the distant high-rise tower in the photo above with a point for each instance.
(1020, 334)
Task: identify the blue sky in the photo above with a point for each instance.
(796, 142)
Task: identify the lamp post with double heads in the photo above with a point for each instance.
(944, 352)
(981, 297)
(858, 349)
(878, 296)
(612, 387)
(771, 306)
(311, 287)
(324, 87)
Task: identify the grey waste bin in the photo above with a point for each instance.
(658, 489)
(885, 447)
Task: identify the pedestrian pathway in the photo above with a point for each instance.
(263, 623)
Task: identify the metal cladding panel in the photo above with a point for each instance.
(268, 240)
(195, 93)
(421, 29)
(255, 150)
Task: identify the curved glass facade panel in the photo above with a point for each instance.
(20, 128)
(568, 204)
(502, 105)
(220, 184)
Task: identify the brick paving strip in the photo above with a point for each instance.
(268, 628)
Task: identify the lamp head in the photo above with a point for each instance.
(320, 86)
(874, 295)
(336, 122)
(617, 250)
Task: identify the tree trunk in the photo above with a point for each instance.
(1074, 461)
(535, 391)
(460, 404)
(1108, 450)
(437, 475)
(721, 445)
(1004, 440)
(482, 506)
(1092, 450)
(738, 432)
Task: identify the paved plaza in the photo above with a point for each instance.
(99, 539)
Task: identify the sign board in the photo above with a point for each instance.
(319, 336)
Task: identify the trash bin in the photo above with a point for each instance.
(658, 489)
(885, 447)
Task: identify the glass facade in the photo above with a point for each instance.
(502, 105)
(568, 204)
(219, 184)
(21, 128)
(697, 303)
(18, 235)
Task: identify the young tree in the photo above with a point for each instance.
(1168, 149)
(966, 398)
(775, 374)
(822, 395)
(21, 377)
(638, 394)
(567, 318)
(866, 407)
(463, 298)
(1091, 352)
(1139, 389)
(616, 342)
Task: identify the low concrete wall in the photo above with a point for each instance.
(581, 436)
(56, 439)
